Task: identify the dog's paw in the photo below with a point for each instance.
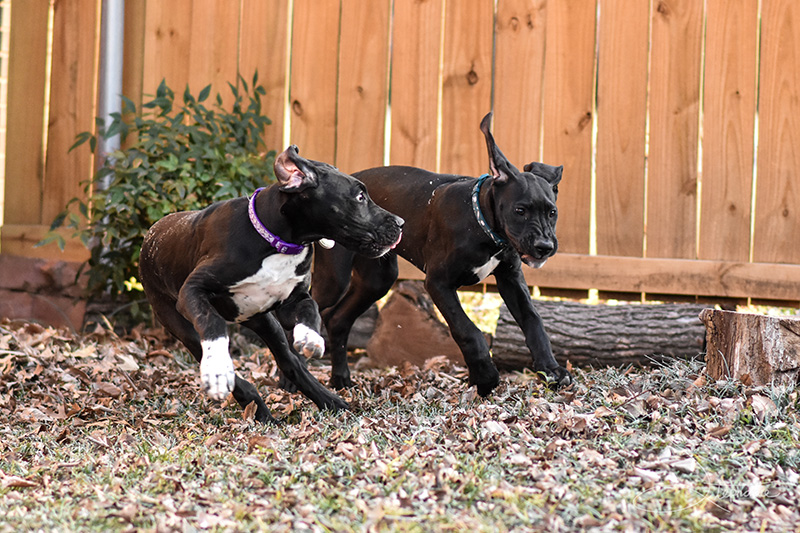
(557, 377)
(341, 382)
(307, 342)
(216, 369)
(485, 380)
(334, 403)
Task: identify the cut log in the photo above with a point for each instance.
(601, 335)
(753, 348)
(408, 330)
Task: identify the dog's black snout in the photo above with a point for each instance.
(399, 221)
(543, 247)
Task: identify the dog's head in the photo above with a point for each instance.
(524, 203)
(323, 202)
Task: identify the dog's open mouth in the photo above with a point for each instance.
(532, 261)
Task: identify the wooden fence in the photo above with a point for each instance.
(677, 121)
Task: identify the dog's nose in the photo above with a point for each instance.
(399, 221)
(543, 247)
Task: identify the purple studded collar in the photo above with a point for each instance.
(275, 241)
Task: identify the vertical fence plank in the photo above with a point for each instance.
(466, 85)
(728, 122)
(520, 33)
(623, 42)
(167, 45)
(72, 102)
(363, 84)
(777, 216)
(263, 43)
(26, 83)
(315, 54)
(214, 47)
(569, 70)
(674, 108)
(133, 51)
(416, 42)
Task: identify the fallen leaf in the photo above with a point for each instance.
(762, 407)
(686, 466)
(249, 412)
(18, 482)
(108, 389)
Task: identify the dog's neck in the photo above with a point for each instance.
(483, 206)
(265, 215)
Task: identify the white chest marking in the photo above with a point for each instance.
(486, 269)
(273, 283)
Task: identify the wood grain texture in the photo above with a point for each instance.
(777, 216)
(623, 45)
(214, 48)
(133, 51)
(72, 102)
(466, 86)
(263, 44)
(24, 171)
(675, 62)
(416, 44)
(167, 46)
(762, 350)
(727, 279)
(315, 55)
(728, 129)
(363, 84)
(518, 78)
(603, 335)
(568, 94)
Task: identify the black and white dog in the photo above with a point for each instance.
(458, 231)
(249, 260)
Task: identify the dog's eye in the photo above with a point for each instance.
(553, 213)
(519, 211)
(361, 197)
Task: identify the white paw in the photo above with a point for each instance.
(308, 342)
(216, 369)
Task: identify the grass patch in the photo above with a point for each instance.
(111, 434)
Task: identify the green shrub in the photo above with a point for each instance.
(179, 158)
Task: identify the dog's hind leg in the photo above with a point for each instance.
(243, 391)
(372, 279)
(268, 328)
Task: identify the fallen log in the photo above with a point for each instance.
(601, 335)
(757, 349)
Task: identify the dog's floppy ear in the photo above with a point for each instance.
(548, 172)
(293, 172)
(500, 167)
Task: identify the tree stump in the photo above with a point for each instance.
(601, 335)
(749, 347)
(408, 330)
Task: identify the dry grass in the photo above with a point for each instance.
(103, 433)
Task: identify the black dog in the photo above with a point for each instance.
(202, 268)
(458, 231)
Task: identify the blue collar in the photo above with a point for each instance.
(476, 208)
(275, 241)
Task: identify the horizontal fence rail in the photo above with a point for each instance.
(677, 121)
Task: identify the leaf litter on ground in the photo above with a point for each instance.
(101, 432)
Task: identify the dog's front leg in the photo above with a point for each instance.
(469, 338)
(268, 328)
(300, 314)
(515, 293)
(216, 367)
